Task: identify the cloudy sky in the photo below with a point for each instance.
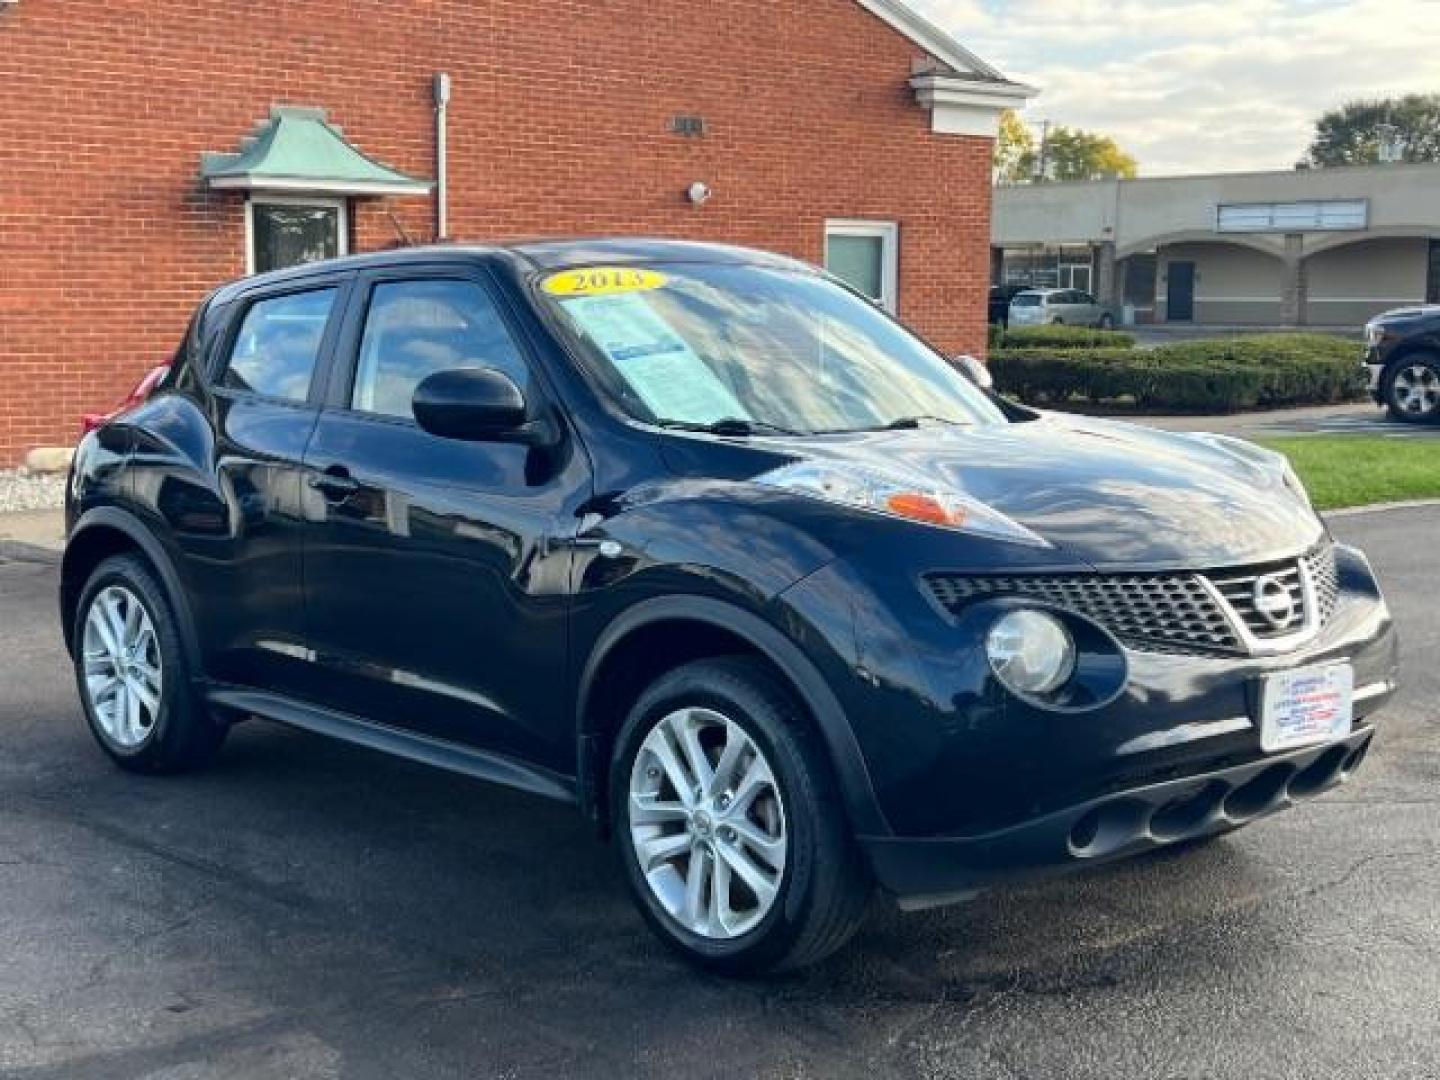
(1201, 85)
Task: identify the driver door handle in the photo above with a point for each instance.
(335, 483)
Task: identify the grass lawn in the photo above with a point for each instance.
(1350, 470)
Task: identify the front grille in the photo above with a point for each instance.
(1171, 611)
(1238, 589)
(1159, 612)
(1324, 579)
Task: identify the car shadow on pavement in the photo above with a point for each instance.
(480, 878)
(307, 890)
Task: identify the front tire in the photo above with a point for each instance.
(132, 675)
(1412, 389)
(729, 825)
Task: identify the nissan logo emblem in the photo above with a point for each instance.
(1274, 602)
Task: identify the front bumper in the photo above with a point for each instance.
(930, 870)
(1374, 370)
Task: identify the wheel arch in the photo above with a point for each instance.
(108, 530)
(686, 628)
(1408, 350)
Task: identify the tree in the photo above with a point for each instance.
(1352, 134)
(1067, 153)
(1072, 154)
(1014, 150)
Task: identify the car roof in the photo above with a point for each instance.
(543, 254)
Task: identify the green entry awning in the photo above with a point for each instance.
(297, 150)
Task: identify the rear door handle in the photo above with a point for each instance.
(335, 483)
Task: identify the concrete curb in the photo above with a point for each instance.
(1375, 508)
(49, 459)
(15, 551)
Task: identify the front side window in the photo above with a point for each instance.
(696, 344)
(415, 328)
(292, 233)
(278, 345)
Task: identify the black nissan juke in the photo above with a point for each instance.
(701, 541)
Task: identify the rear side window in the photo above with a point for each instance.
(416, 328)
(278, 345)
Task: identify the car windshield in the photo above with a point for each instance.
(756, 350)
(1027, 299)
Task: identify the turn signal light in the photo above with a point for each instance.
(921, 507)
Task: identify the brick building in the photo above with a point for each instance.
(143, 158)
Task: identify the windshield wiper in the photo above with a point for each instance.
(903, 423)
(909, 423)
(729, 425)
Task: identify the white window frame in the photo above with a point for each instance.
(1312, 215)
(889, 234)
(342, 247)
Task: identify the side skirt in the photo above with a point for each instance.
(397, 742)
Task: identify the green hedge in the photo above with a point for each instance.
(1219, 375)
(1060, 337)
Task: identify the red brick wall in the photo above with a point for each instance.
(558, 125)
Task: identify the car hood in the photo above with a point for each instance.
(1407, 313)
(1112, 494)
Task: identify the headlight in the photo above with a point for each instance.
(1373, 333)
(898, 494)
(1031, 652)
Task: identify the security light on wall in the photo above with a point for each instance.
(699, 193)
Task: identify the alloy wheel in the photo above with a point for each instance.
(707, 823)
(123, 676)
(1416, 390)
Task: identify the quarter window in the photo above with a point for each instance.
(278, 344)
(416, 328)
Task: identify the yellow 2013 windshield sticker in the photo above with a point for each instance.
(603, 281)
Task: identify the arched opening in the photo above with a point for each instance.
(1212, 282)
(1346, 283)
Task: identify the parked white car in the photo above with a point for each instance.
(1043, 307)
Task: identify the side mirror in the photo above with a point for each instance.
(975, 371)
(477, 404)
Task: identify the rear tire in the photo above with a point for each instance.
(134, 682)
(1105, 323)
(764, 785)
(1412, 389)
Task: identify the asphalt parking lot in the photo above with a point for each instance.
(309, 910)
(1356, 418)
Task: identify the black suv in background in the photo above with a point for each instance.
(998, 312)
(707, 545)
(1402, 351)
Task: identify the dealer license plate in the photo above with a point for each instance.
(1305, 706)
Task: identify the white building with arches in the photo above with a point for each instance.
(1307, 247)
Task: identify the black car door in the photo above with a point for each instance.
(436, 590)
(236, 510)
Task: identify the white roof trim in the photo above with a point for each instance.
(938, 89)
(316, 187)
(961, 105)
(930, 37)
